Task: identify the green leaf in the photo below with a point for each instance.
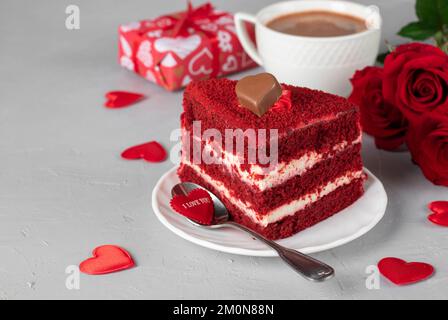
(433, 13)
(418, 31)
(444, 47)
(381, 57)
(439, 38)
(443, 11)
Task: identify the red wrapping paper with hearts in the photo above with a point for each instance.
(172, 50)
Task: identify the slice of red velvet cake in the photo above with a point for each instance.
(313, 143)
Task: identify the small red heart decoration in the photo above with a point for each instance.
(401, 272)
(438, 206)
(150, 151)
(197, 206)
(440, 219)
(121, 99)
(440, 213)
(107, 259)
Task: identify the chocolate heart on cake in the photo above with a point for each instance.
(258, 93)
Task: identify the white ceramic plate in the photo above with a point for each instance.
(349, 224)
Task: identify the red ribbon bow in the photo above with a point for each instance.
(192, 17)
(195, 18)
(190, 21)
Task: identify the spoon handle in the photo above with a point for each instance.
(308, 267)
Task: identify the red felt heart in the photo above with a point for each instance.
(120, 99)
(440, 219)
(401, 272)
(107, 259)
(440, 213)
(151, 151)
(438, 206)
(197, 206)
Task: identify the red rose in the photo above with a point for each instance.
(416, 79)
(428, 142)
(378, 118)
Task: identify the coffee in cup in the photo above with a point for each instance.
(313, 43)
(317, 24)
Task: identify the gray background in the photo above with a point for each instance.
(65, 190)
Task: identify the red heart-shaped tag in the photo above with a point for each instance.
(197, 206)
(150, 151)
(121, 99)
(440, 213)
(401, 272)
(107, 259)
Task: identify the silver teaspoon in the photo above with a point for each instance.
(308, 267)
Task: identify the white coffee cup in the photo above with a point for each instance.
(324, 63)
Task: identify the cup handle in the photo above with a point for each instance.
(241, 31)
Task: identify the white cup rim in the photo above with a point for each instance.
(317, 3)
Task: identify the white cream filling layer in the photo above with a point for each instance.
(263, 179)
(285, 210)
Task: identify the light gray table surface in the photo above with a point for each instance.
(64, 188)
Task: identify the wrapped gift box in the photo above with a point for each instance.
(173, 50)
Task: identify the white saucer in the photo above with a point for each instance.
(348, 225)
